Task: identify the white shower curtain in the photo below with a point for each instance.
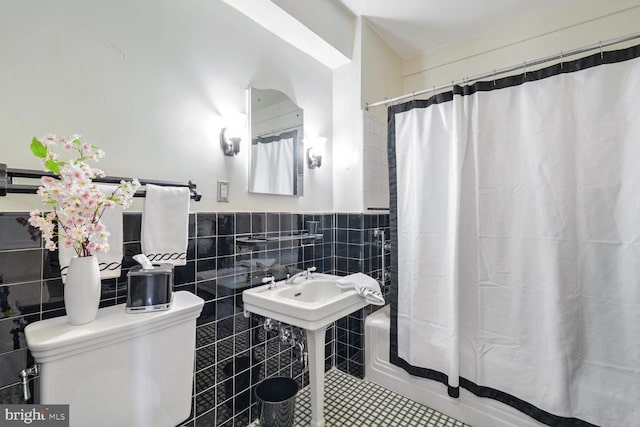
(272, 164)
(516, 229)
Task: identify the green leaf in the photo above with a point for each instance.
(52, 165)
(38, 148)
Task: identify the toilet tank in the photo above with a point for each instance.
(121, 369)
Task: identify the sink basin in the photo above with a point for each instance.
(311, 304)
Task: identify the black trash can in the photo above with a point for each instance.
(278, 398)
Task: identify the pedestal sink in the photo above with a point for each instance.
(312, 304)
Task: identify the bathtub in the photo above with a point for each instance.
(468, 408)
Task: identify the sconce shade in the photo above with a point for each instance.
(230, 144)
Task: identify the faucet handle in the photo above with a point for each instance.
(307, 274)
(271, 281)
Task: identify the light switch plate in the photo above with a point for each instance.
(223, 191)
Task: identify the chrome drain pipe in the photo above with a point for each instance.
(25, 377)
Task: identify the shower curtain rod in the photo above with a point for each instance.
(501, 71)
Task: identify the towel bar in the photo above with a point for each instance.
(8, 174)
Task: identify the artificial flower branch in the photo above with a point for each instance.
(77, 203)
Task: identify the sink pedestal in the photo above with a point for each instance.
(315, 344)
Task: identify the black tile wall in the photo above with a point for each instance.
(233, 353)
(359, 247)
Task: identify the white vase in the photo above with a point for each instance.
(82, 290)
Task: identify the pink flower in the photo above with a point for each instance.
(49, 139)
(47, 180)
(33, 217)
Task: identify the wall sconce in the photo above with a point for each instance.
(230, 136)
(230, 144)
(315, 152)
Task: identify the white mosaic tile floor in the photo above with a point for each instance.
(352, 402)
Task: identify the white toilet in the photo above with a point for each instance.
(121, 369)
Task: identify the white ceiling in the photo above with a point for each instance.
(411, 27)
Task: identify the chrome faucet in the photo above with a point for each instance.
(306, 273)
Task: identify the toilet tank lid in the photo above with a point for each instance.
(54, 338)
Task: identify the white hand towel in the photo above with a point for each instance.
(366, 286)
(110, 262)
(165, 224)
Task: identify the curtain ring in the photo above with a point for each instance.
(561, 63)
(601, 54)
(494, 76)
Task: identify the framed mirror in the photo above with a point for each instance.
(276, 160)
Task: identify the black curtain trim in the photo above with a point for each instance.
(393, 232)
(596, 59)
(266, 140)
(491, 393)
(608, 57)
(420, 372)
(522, 406)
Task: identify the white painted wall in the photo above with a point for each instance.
(348, 193)
(571, 25)
(381, 71)
(329, 19)
(150, 82)
(375, 72)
